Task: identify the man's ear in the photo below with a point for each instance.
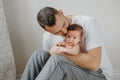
(61, 12)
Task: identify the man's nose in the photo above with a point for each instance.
(64, 31)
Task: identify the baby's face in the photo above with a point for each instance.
(73, 37)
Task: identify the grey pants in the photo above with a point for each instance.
(42, 66)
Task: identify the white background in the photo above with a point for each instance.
(26, 34)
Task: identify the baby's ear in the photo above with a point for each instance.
(80, 39)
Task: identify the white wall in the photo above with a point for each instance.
(26, 35)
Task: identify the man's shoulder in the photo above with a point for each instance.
(46, 33)
(82, 17)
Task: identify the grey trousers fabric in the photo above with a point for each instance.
(42, 66)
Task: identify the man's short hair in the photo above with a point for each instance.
(46, 16)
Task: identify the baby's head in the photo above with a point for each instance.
(74, 34)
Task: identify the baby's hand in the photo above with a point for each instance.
(53, 50)
(73, 51)
(57, 50)
(60, 50)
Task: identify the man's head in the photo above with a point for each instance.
(53, 21)
(74, 34)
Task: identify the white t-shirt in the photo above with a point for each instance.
(91, 39)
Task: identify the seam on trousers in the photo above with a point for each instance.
(84, 70)
(71, 71)
(53, 71)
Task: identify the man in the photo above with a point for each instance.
(90, 64)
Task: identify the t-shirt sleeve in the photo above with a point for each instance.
(46, 40)
(92, 34)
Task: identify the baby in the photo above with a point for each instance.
(72, 39)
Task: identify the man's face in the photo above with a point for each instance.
(73, 37)
(60, 28)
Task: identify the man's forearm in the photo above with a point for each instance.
(88, 60)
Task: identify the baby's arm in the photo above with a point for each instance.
(54, 49)
(61, 48)
(72, 51)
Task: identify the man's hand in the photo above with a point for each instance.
(61, 44)
(53, 50)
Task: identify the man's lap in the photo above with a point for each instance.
(70, 70)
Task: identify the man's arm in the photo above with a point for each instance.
(90, 60)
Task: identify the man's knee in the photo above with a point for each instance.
(39, 55)
(56, 58)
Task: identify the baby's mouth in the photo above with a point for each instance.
(71, 43)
